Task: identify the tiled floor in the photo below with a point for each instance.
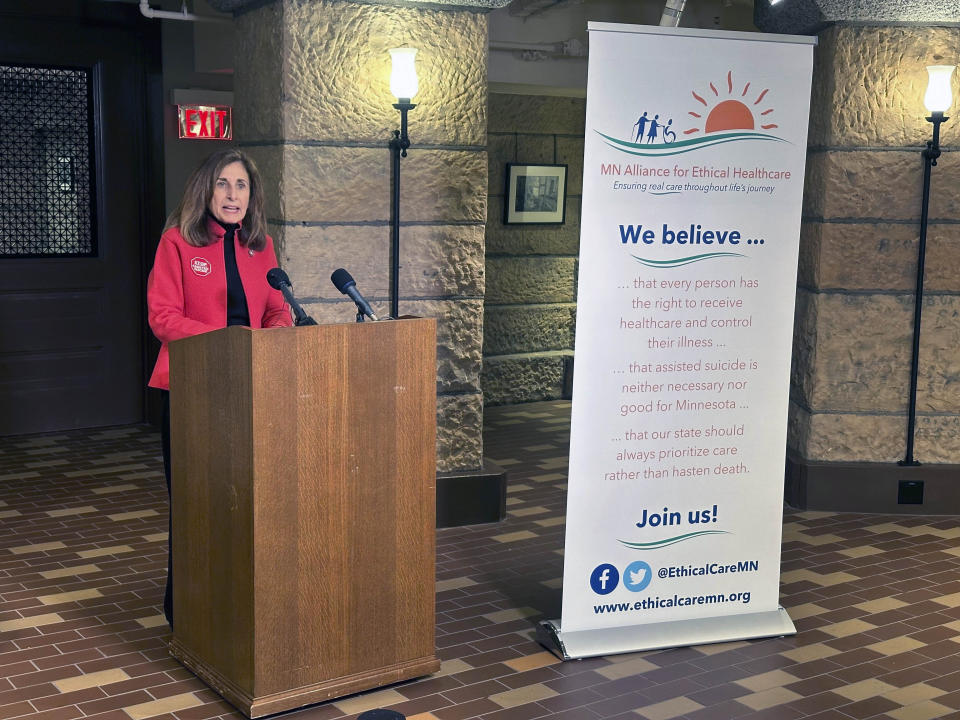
(876, 601)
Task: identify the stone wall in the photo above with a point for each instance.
(857, 273)
(530, 304)
(313, 99)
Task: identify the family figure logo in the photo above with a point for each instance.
(652, 125)
(717, 117)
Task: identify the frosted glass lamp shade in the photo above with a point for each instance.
(938, 97)
(403, 76)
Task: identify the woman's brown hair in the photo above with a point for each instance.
(191, 215)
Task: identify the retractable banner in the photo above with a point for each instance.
(693, 172)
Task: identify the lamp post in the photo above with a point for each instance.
(403, 85)
(937, 101)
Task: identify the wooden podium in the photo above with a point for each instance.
(303, 509)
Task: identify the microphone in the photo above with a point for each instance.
(278, 280)
(348, 286)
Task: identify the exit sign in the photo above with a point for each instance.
(205, 122)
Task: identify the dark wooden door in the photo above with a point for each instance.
(71, 226)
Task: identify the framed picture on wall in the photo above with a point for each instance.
(535, 194)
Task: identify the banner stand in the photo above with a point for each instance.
(657, 636)
(695, 145)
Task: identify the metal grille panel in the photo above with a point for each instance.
(46, 189)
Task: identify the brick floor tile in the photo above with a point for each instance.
(876, 599)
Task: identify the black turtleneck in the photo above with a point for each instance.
(237, 312)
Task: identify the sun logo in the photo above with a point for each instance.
(729, 114)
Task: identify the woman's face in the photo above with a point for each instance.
(231, 194)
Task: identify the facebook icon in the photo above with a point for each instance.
(604, 579)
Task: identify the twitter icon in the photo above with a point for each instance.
(636, 576)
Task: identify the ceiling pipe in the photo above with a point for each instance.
(573, 48)
(672, 12)
(149, 12)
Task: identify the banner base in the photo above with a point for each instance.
(657, 636)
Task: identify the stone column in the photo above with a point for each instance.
(530, 305)
(857, 275)
(314, 109)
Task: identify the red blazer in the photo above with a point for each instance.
(187, 292)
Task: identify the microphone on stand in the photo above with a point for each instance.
(348, 286)
(278, 280)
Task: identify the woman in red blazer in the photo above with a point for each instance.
(210, 272)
